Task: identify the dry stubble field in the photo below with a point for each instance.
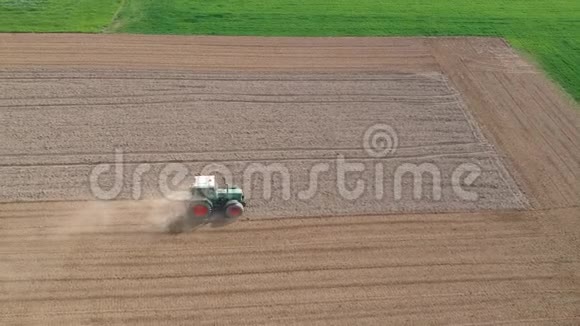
(68, 101)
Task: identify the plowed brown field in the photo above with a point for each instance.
(67, 102)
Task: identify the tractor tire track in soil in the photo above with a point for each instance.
(67, 101)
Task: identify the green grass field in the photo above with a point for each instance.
(548, 30)
(56, 15)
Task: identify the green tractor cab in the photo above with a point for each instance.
(207, 199)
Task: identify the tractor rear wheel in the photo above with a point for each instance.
(234, 209)
(200, 209)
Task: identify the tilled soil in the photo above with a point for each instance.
(70, 104)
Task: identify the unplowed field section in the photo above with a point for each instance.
(287, 123)
(70, 102)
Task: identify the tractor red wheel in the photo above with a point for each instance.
(234, 209)
(200, 209)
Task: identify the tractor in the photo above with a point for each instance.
(207, 199)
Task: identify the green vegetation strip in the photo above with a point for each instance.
(548, 30)
(56, 15)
